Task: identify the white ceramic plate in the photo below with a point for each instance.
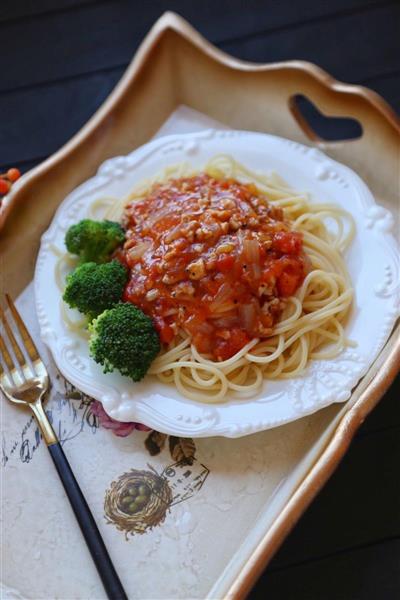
(373, 262)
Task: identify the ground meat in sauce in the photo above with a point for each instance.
(212, 257)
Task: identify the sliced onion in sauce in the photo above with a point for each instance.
(251, 252)
(137, 251)
(247, 317)
(256, 271)
(223, 307)
(227, 314)
(224, 293)
(205, 328)
(173, 234)
(251, 255)
(225, 322)
(160, 214)
(170, 312)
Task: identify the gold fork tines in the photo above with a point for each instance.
(28, 341)
(24, 383)
(20, 357)
(6, 356)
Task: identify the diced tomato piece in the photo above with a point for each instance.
(239, 338)
(164, 330)
(194, 321)
(287, 242)
(153, 270)
(222, 350)
(266, 320)
(272, 271)
(225, 348)
(225, 263)
(289, 272)
(288, 283)
(203, 343)
(263, 254)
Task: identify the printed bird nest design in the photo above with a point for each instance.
(137, 501)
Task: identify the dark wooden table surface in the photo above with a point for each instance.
(59, 59)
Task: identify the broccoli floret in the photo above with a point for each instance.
(124, 338)
(94, 241)
(92, 288)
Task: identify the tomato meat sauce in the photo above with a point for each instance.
(211, 257)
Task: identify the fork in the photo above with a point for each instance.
(27, 385)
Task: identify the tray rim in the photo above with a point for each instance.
(386, 364)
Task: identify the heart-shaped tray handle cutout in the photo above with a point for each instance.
(320, 127)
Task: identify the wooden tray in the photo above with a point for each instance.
(174, 66)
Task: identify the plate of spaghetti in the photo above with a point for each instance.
(218, 283)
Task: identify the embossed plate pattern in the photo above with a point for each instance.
(373, 262)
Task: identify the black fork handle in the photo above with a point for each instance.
(94, 541)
